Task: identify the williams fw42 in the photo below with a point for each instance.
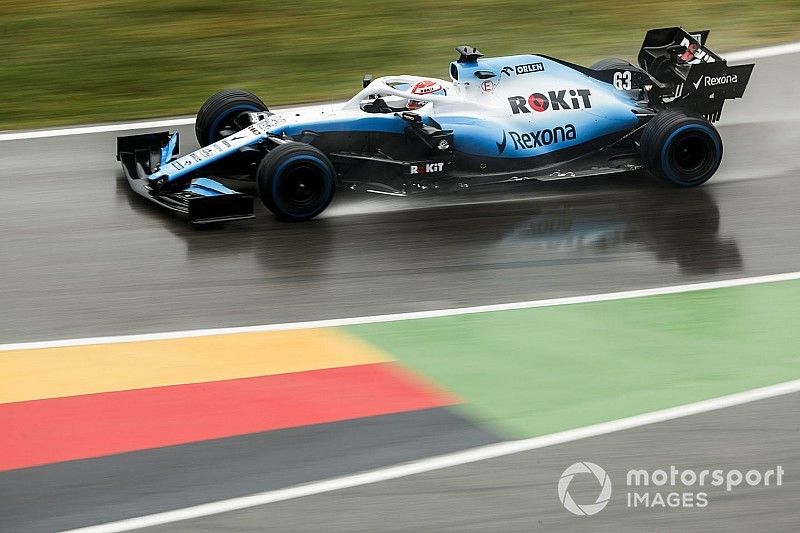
(495, 120)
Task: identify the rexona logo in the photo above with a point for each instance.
(426, 168)
(555, 100)
(527, 68)
(537, 139)
(713, 81)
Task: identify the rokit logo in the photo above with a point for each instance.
(426, 168)
(537, 139)
(555, 100)
(713, 81)
(527, 68)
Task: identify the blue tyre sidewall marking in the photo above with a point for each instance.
(212, 133)
(667, 168)
(316, 161)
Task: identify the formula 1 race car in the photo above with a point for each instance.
(497, 120)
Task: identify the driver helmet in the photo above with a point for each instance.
(424, 87)
(689, 54)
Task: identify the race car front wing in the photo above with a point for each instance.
(202, 199)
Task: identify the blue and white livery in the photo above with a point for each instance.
(493, 120)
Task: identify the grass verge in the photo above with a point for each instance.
(537, 371)
(83, 61)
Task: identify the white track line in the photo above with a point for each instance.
(436, 313)
(101, 128)
(742, 55)
(472, 455)
(759, 53)
(124, 126)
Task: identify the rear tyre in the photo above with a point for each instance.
(682, 149)
(216, 118)
(613, 63)
(295, 181)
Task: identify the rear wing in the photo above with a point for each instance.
(689, 74)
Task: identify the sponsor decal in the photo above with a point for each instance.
(487, 86)
(274, 120)
(206, 152)
(539, 138)
(501, 146)
(225, 143)
(195, 157)
(712, 81)
(555, 100)
(426, 168)
(177, 165)
(527, 68)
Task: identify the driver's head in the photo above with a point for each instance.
(689, 54)
(424, 87)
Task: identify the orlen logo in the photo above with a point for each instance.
(537, 139)
(528, 68)
(427, 168)
(555, 100)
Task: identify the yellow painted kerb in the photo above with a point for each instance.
(72, 370)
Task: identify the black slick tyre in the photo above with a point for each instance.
(681, 149)
(295, 181)
(613, 63)
(216, 116)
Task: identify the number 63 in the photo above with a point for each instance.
(622, 80)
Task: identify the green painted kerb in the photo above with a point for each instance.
(536, 371)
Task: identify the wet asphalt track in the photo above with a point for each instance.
(82, 256)
(519, 492)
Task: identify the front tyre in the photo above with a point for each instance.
(216, 118)
(682, 149)
(295, 181)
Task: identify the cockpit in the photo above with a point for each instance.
(393, 94)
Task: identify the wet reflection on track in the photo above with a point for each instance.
(598, 222)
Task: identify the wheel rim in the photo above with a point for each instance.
(692, 156)
(301, 187)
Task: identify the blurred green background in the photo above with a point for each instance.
(83, 61)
